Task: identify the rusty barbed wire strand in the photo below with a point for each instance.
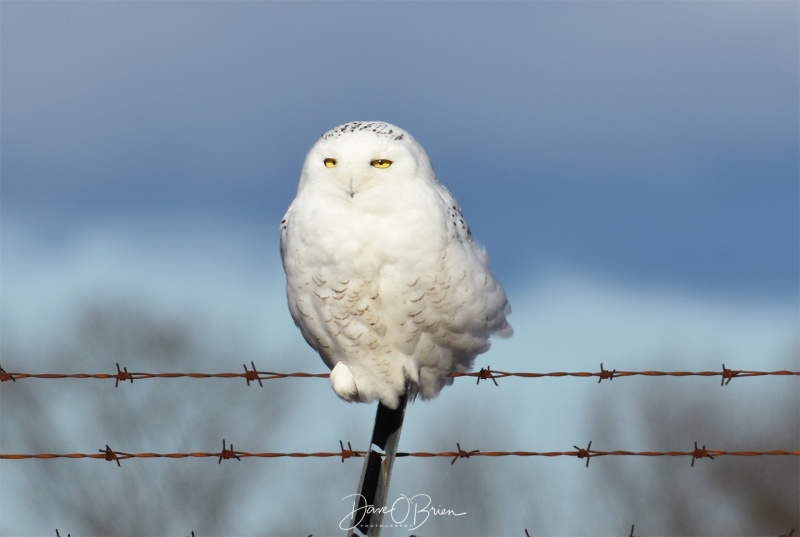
(604, 374)
(123, 375)
(580, 453)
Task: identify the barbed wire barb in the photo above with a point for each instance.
(461, 454)
(605, 374)
(727, 375)
(252, 375)
(122, 375)
(585, 453)
(110, 455)
(227, 453)
(700, 453)
(486, 373)
(347, 453)
(6, 376)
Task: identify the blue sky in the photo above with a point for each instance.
(631, 167)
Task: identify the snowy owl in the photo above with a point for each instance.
(383, 276)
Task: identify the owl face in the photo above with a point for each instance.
(359, 157)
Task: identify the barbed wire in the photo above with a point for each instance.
(253, 375)
(527, 534)
(345, 453)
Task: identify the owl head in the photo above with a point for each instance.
(359, 156)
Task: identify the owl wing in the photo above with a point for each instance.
(294, 273)
(453, 310)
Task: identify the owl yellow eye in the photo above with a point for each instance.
(330, 162)
(381, 163)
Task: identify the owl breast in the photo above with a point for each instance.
(396, 295)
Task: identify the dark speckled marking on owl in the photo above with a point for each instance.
(381, 129)
(456, 218)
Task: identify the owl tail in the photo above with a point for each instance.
(377, 469)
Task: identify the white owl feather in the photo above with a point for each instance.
(383, 276)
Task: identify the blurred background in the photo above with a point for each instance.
(632, 169)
